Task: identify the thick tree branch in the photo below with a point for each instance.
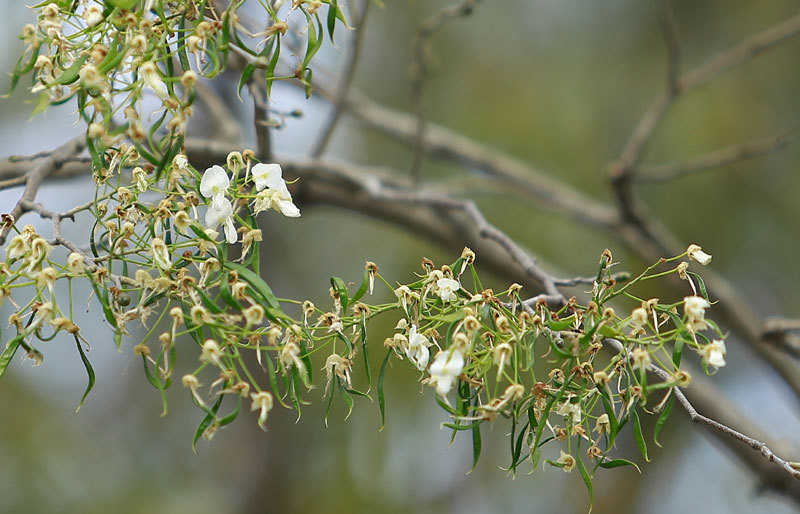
(40, 171)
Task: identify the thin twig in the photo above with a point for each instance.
(419, 69)
(353, 59)
(767, 477)
(718, 158)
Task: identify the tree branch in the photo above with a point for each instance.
(347, 79)
(34, 179)
(773, 472)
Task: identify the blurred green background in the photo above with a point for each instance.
(557, 83)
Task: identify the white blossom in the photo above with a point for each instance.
(221, 213)
(214, 184)
(417, 349)
(277, 199)
(152, 79)
(445, 370)
(262, 402)
(695, 309)
(714, 353)
(447, 288)
(268, 176)
(696, 253)
(160, 252)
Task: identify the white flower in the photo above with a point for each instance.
(160, 253)
(152, 79)
(417, 349)
(214, 184)
(76, 263)
(447, 288)
(638, 318)
(697, 253)
(567, 461)
(603, 425)
(695, 309)
(445, 370)
(140, 178)
(290, 356)
(211, 353)
(570, 410)
(268, 175)
(93, 15)
(641, 359)
(277, 199)
(262, 401)
(714, 353)
(221, 213)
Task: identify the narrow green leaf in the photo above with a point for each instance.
(662, 418)
(701, 285)
(587, 479)
(332, 8)
(8, 353)
(362, 290)
(616, 463)
(89, 372)
(210, 416)
(348, 400)
(476, 445)
(640, 442)
(257, 283)
(455, 426)
(246, 74)
(365, 350)
(341, 288)
(381, 397)
(70, 75)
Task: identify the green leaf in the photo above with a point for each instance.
(314, 39)
(341, 288)
(246, 74)
(476, 445)
(70, 75)
(362, 290)
(701, 285)
(273, 63)
(210, 416)
(122, 4)
(381, 397)
(257, 283)
(365, 349)
(8, 353)
(332, 8)
(587, 479)
(662, 418)
(348, 400)
(157, 384)
(617, 463)
(89, 372)
(639, 436)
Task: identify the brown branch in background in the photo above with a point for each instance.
(419, 69)
(351, 65)
(740, 53)
(773, 472)
(716, 159)
(34, 179)
(666, 20)
(222, 118)
(645, 234)
(258, 91)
